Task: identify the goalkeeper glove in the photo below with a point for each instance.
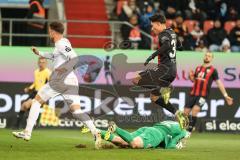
(179, 145)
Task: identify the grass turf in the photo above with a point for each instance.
(59, 145)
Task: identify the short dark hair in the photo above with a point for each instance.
(57, 26)
(158, 18)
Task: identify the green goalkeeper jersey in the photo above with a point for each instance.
(172, 132)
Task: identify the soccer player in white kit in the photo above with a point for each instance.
(62, 53)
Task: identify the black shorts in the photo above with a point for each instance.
(160, 76)
(195, 100)
(32, 94)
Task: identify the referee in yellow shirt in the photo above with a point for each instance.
(41, 76)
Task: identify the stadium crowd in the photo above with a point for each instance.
(200, 24)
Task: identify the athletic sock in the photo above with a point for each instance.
(33, 116)
(192, 123)
(84, 118)
(167, 106)
(103, 133)
(125, 135)
(19, 118)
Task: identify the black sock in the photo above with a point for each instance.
(192, 123)
(168, 106)
(19, 118)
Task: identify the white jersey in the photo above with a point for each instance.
(62, 52)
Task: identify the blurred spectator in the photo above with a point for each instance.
(232, 14)
(197, 33)
(182, 33)
(36, 11)
(234, 37)
(235, 4)
(125, 9)
(197, 10)
(179, 27)
(134, 35)
(218, 9)
(171, 8)
(225, 47)
(143, 4)
(125, 29)
(201, 46)
(215, 36)
(145, 25)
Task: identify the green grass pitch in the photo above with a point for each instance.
(59, 145)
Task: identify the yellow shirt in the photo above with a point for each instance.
(40, 78)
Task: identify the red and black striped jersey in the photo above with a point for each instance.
(204, 76)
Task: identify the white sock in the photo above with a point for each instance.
(84, 118)
(33, 116)
(91, 126)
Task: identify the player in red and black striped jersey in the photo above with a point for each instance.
(164, 73)
(202, 78)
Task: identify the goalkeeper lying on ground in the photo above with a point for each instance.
(166, 134)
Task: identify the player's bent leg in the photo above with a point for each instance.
(193, 121)
(196, 109)
(135, 80)
(84, 117)
(118, 141)
(137, 143)
(26, 105)
(160, 101)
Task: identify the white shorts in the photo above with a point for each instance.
(69, 93)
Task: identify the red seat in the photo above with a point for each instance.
(228, 26)
(207, 25)
(169, 23)
(190, 24)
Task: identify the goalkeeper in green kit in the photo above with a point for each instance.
(166, 134)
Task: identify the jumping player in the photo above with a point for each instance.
(62, 53)
(202, 78)
(164, 74)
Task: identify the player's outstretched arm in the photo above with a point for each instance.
(228, 99)
(174, 141)
(35, 50)
(42, 54)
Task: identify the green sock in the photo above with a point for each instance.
(125, 135)
(103, 133)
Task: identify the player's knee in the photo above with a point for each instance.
(136, 80)
(74, 108)
(196, 109)
(25, 106)
(39, 99)
(154, 98)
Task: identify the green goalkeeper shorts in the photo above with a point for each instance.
(151, 136)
